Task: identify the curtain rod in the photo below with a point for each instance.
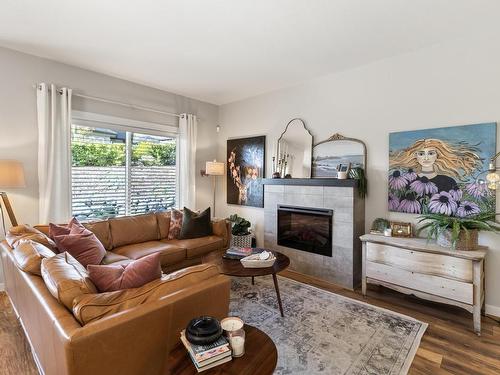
(133, 106)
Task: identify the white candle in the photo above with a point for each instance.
(238, 345)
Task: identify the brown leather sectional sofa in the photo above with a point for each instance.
(139, 326)
(132, 237)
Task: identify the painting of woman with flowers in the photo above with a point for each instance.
(245, 169)
(435, 170)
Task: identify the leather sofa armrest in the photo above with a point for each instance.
(137, 341)
(131, 342)
(222, 228)
(88, 308)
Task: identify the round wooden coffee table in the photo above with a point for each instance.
(260, 358)
(232, 267)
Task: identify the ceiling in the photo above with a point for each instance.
(222, 51)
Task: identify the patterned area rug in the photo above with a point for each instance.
(325, 333)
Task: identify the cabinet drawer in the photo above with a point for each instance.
(436, 285)
(421, 262)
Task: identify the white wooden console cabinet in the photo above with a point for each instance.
(426, 270)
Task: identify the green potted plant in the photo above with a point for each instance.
(460, 233)
(358, 173)
(240, 230)
(379, 225)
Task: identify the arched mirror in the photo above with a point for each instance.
(337, 153)
(293, 159)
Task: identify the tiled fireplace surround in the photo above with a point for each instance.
(344, 267)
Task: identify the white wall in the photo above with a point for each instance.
(18, 128)
(453, 84)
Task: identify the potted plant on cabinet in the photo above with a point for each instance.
(241, 235)
(460, 233)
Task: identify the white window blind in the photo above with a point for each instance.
(119, 172)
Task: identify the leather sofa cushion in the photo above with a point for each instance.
(113, 258)
(92, 307)
(220, 229)
(169, 254)
(163, 218)
(197, 247)
(66, 279)
(101, 231)
(133, 229)
(28, 256)
(26, 232)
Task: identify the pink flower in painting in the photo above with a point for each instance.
(443, 203)
(477, 190)
(456, 193)
(393, 202)
(423, 186)
(467, 208)
(397, 181)
(410, 175)
(410, 204)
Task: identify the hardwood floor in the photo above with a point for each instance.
(15, 352)
(449, 345)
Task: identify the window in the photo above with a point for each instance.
(121, 172)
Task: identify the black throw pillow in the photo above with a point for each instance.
(195, 225)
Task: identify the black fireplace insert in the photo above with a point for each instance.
(305, 228)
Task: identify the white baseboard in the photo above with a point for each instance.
(493, 310)
(2, 287)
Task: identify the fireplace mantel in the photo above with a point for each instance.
(311, 182)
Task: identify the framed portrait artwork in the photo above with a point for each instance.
(435, 170)
(245, 169)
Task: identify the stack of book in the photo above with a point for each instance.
(205, 357)
(242, 252)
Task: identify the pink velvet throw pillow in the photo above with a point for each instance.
(78, 241)
(108, 278)
(60, 230)
(175, 224)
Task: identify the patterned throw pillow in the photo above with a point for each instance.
(175, 224)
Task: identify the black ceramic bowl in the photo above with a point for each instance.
(203, 330)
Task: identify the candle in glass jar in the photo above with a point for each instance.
(238, 345)
(237, 341)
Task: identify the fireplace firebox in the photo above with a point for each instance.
(305, 228)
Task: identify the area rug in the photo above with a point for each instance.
(325, 333)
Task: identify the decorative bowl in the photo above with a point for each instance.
(203, 330)
(256, 261)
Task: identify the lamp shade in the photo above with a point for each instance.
(11, 174)
(214, 168)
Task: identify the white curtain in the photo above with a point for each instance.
(54, 153)
(187, 161)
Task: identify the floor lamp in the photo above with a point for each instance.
(214, 169)
(11, 176)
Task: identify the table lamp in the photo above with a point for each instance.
(11, 176)
(214, 169)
